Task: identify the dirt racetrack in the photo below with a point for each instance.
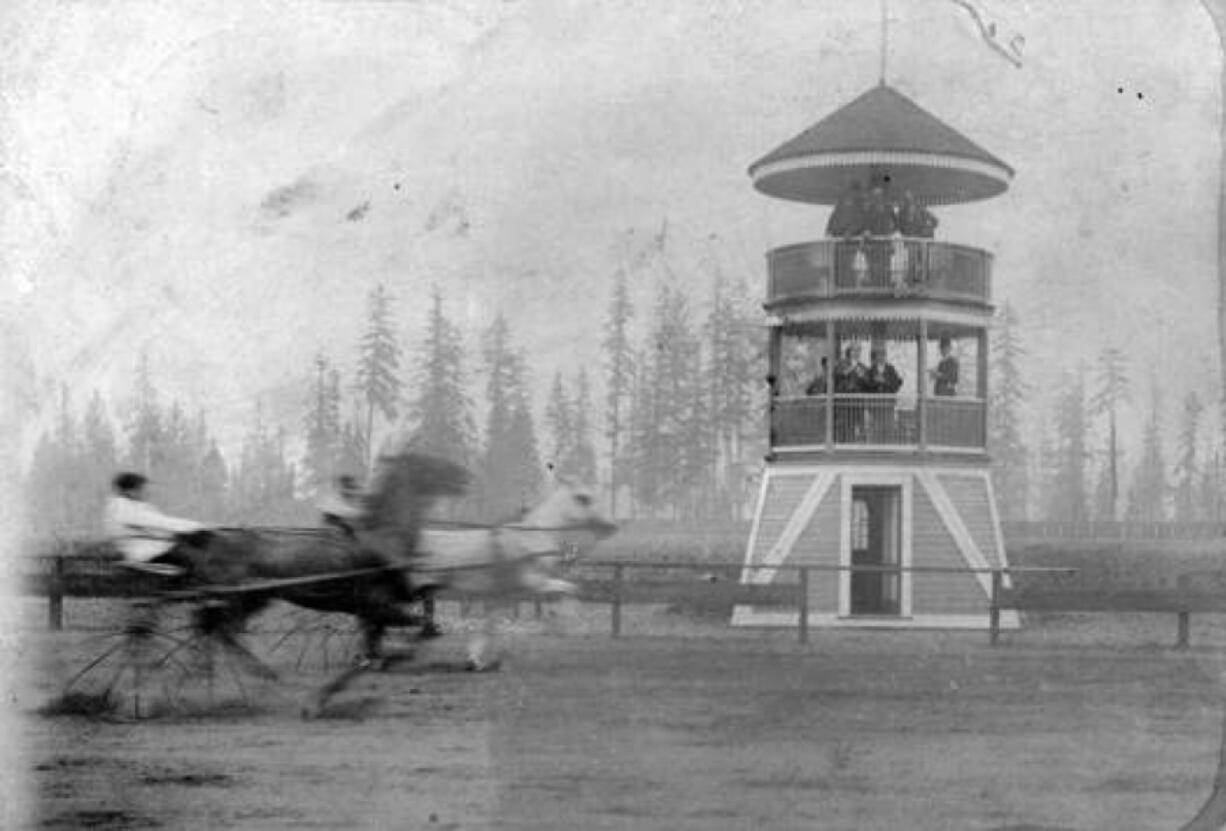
(871, 730)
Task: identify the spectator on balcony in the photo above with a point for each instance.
(850, 377)
(818, 385)
(847, 218)
(794, 373)
(882, 377)
(879, 214)
(945, 376)
(850, 372)
(914, 220)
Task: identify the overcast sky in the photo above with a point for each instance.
(222, 183)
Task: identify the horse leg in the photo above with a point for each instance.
(222, 620)
(429, 625)
(483, 643)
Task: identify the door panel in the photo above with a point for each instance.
(875, 542)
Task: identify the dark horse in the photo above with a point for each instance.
(367, 575)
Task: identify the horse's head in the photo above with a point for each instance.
(405, 485)
(571, 510)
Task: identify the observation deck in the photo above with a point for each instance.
(840, 422)
(878, 267)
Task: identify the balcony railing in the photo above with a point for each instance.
(878, 420)
(875, 266)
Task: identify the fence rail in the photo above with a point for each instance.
(608, 581)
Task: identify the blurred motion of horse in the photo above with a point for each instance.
(324, 569)
(505, 562)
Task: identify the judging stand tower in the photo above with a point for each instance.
(884, 486)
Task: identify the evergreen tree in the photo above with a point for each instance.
(526, 480)
(619, 380)
(643, 477)
(353, 453)
(442, 412)
(1186, 469)
(98, 466)
(737, 363)
(559, 421)
(1067, 496)
(1148, 494)
(263, 484)
(1209, 490)
(175, 470)
(581, 463)
(323, 429)
(378, 377)
(1010, 460)
(510, 466)
(1111, 393)
(668, 436)
(145, 423)
(213, 485)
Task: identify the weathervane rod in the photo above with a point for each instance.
(885, 38)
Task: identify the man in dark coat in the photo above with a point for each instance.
(847, 218)
(882, 376)
(879, 213)
(945, 376)
(882, 379)
(914, 220)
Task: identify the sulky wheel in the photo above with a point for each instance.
(159, 662)
(306, 640)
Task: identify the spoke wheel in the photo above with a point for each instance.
(158, 664)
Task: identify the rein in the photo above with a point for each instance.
(509, 526)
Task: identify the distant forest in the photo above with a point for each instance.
(677, 432)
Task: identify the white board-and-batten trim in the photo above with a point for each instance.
(1001, 554)
(943, 502)
(764, 571)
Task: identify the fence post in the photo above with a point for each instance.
(538, 608)
(803, 622)
(55, 594)
(994, 609)
(618, 571)
(1181, 642)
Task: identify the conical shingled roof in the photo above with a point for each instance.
(882, 136)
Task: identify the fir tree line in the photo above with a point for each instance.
(1074, 467)
(676, 432)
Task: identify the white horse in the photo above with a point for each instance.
(496, 564)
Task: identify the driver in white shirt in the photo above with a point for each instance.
(148, 539)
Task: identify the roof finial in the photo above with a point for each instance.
(885, 39)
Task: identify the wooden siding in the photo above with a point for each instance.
(933, 545)
(970, 496)
(819, 543)
(781, 499)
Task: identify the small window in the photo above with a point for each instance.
(859, 525)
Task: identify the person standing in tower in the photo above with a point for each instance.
(914, 220)
(847, 218)
(945, 376)
(879, 213)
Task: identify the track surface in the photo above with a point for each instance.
(853, 731)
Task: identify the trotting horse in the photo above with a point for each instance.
(521, 557)
(369, 577)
